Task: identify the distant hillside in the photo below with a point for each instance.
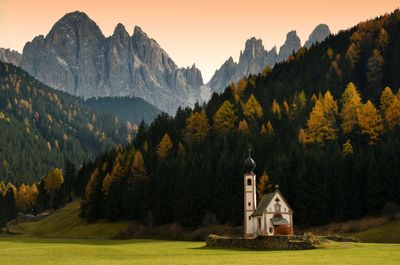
(126, 108)
(41, 127)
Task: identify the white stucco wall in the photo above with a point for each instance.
(249, 202)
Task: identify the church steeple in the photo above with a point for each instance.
(250, 199)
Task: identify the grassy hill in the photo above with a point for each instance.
(65, 223)
(22, 250)
(381, 229)
(385, 233)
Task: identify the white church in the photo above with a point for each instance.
(272, 216)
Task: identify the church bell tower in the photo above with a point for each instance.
(250, 195)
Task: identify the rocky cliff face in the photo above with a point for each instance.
(292, 44)
(319, 34)
(254, 58)
(10, 56)
(76, 57)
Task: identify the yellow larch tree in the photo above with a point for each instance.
(225, 118)
(370, 122)
(165, 147)
(392, 116)
(138, 169)
(263, 186)
(243, 127)
(302, 137)
(197, 126)
(347, 148)
(269, 128)
(276, 109)
(351, 101)
(321, 126)
(252, 108)
(386, 100)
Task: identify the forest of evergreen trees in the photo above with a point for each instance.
(324, 126)
(321, 125)
(41, 128)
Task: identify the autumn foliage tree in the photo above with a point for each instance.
(370, 122)
(53, 182)
(351, 101)
(252, 108)
(321, 126)
(197, 127)
(225, 118)
(165, 147)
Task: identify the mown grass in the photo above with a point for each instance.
(65, 223)
(25, 250)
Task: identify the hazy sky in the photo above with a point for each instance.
(204, 32)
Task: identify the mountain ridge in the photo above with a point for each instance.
(254, 58)
(76, 57)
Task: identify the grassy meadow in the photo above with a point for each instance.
(63, 238)
(28, 250)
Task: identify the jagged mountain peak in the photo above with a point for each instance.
(319, 34)
(76, 57)
(254, 58)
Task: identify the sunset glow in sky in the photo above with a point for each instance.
(204, 32)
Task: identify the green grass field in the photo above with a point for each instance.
(26, 250)
(386, 233)
(65, 223)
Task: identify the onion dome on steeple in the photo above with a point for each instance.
(249, 164)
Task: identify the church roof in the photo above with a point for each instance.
(279, 220)
(265, 201)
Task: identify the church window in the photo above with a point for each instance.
(249, 218)
(270, 230)
(248, 182)
(249, 204)
(259, 223)
(277, 206)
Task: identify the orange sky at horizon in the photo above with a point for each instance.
(204, 32)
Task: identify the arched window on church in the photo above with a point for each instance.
(248, 182)
(277, 206)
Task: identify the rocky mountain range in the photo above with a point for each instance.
(10, 56)
(255, 58)
(77, 58)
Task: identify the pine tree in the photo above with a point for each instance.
(197, 126)
(225, 118)
(375, 68)
(92, 204)
(370, 122)
(252, 109)
(165, 147)
(243, 127)
(181, 150)
(351, 101)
